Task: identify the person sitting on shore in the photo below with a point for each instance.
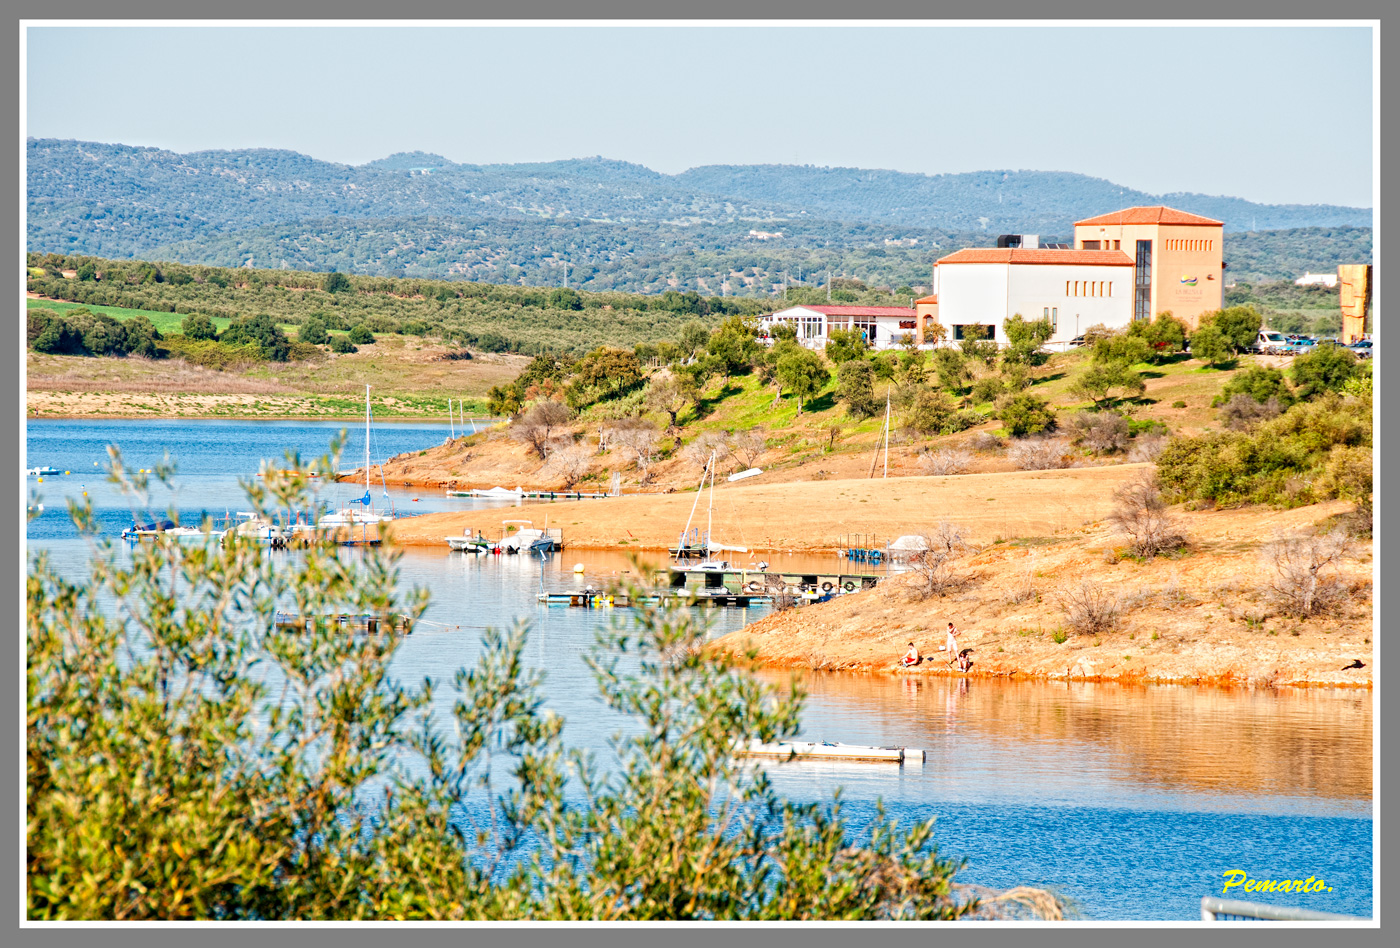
(963, 660)
(911, 657)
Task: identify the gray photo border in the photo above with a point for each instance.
(312, 934)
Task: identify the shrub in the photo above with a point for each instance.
(259, 330)
(337, 283)
(1210, 345)
(1146, 448)
(1027, 414)
(312, 331)
(155, 732)
(1302, 572)
(1277, 462)
(213, 355)
(1242, 412)
(944, 461)
(1325, 369)
(987, 442)
(1121, 347)
(1259, 383)
(1090, 607)
(1101, 380)
(361, 335)
(1039, 454)
(1238, 326)
(570, 463)
(932, 412)
(1178, 404)
(987, 388)
(197, 326)
(1164, 336)
(1141, 513)
(845, 345)
(856, 387)
(933, 571)
(540, 426)
(341, 343)
(1101, 432)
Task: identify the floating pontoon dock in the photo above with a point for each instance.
(738, 581)
(602, 600)
(815, 750)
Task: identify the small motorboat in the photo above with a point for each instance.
(42, 472)
(147, 531)
(466, 543)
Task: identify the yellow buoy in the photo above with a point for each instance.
(578, 567)
(41, 480)
(67, 472)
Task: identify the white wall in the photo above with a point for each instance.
(1034, 287)
(990, 293)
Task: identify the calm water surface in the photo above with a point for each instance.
(1131, 800)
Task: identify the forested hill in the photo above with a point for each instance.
(1045, 202)
(615, 225)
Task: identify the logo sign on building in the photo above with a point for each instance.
(1188, 281)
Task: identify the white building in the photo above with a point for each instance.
(1074, 289)
(884, 326)
(1316, 279)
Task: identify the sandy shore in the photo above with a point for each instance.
(813, 516)
(1204, 617)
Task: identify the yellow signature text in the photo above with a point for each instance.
(1238, 878)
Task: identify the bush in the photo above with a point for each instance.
(932, 412)
(944, 461)
(337, 283)
(1146, 448)
(1090, 608)
(1242, 412)
(1141, 514)
(1101, 432)
(1281, 461)
(259, 330)
(313, 331)
(1210, 345)
(212, 354)
(1302, 575)
(856, 387)
(1027, 414)
(987, 442)
(197, 326)
(1165, 336)
(361, 335)
(845, 345)
(1259, 383)
(987, 388)
(1039, 454)
(1178, 404)
(247, 801)
(1325, 369)
(341, 344)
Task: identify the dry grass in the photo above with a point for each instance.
(140, 375)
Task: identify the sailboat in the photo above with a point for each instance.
(708, 545)
(359, 511)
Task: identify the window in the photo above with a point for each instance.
(1110, 288)
(1054, 319)
(1142, 281)
(988, 332)
(1066, 288)
(1047, 312)
(1091, 245)
(907, 324)
(1118, 245)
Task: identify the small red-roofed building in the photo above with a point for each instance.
(884, 326)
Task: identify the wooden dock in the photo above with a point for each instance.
(823, 750)
(737, 581)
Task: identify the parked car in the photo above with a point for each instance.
(1270, 342)
(1363, 348)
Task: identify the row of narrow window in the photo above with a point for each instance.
(1197, 245)
(1088, 288)
(1101, 245)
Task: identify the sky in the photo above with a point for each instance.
(1279, 115)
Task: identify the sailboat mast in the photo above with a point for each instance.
(366, 439)
(887, 433)
(710, 520)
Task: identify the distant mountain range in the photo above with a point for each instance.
(615, 225)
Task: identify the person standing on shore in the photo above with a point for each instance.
(952, 646)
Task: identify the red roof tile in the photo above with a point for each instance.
(1024, 255)
(860, 310)
(1150, 215)
(927, 299)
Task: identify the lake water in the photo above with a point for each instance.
(1133, 801)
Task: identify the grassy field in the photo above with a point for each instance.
(409, 379)
(164, 322)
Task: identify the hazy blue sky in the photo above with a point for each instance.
(1279, 115)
